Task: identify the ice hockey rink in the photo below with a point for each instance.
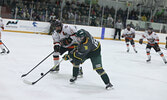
(132, 77)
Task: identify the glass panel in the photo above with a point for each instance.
(88, 12)
(76, 12)
(143, 25)
(109, 13)
(95, 14)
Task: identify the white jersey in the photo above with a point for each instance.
(67, 31)
(152, 38)
(129, 33)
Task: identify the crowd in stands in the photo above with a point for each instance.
(77, 13)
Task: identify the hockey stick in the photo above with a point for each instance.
(37, 65)
(6, 48)
(159, 46)
(32, 83)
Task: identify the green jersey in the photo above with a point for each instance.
(89, 47)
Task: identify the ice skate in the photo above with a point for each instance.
(127, 50)
(135, 50)
(109, 86)
(73, 79)
(3, 51)
(55, 69)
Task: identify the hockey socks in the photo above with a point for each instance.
(104, 77)
(75, 73)
(162, 55)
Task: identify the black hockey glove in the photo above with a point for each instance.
(56, 48)
(141, 41)
(66, 41)
(133, 36)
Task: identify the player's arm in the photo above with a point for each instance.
(124, 34)
(141, 39)
(0, 35)
(133, 33)
(2, 27)
(56, 42)
(69, 30)
(156, 38)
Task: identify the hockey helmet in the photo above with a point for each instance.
(58, 24)
(80, 33)
(150, 30)
(128, 25)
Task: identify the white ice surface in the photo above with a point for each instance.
(132, 77)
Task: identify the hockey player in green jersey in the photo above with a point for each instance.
(87, 48)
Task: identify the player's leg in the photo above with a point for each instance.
(127, 44)
(97, 65)
(133, 45)
(158, 50)
(116, 30)
(58, 51)
(148, 49)
(119, 34)
(75, 73)
(80, 73)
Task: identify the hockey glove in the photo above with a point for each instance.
(141, 41)
(57, 48)
(66, 41)
(66, 57)
(133, 36)
(2, 28)
(122, 36)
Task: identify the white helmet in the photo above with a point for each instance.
(0, 18)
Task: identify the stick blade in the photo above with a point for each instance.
(27, 82)
(23, 75)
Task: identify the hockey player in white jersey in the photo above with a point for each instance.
(64, 40)
(129, 34)
(3, 51)
(153, 41)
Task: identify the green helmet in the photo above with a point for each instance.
(80, 33)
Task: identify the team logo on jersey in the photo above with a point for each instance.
(86, 47)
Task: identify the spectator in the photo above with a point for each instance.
(144, 18)
(132, 26)
(52, 16)
(118, 28)
(137, 28)
(93, 20)
(110, 21)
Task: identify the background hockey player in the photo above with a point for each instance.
(153, 41)
(129, 34)
(1, 44)
(88, 48)
(64, 40)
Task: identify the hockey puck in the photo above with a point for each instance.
(41, 74)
